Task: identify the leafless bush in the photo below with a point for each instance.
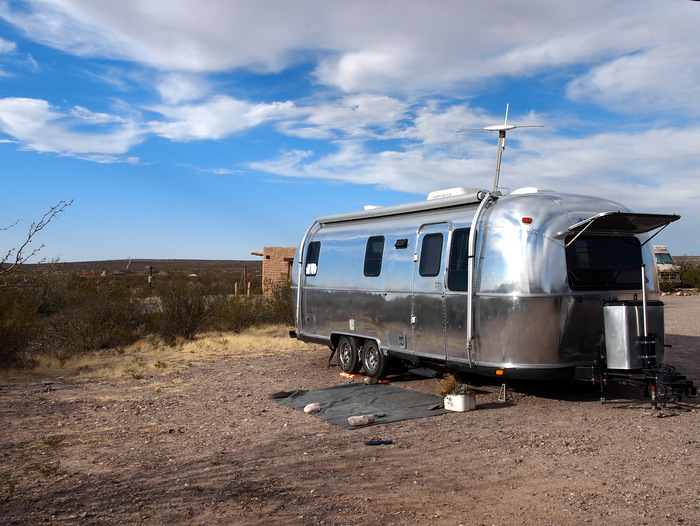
(237, 313)
(15, 257)
(17, 329)
(279, 305)
(185, 306)
(92, 317)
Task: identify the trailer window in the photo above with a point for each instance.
(312, 254)
(373, 256)
(458, 270)
(604, 263)
(430, 255)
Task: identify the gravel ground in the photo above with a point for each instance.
(203, 444)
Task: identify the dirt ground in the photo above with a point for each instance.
(202, 443)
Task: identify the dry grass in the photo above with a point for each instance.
(151, 357)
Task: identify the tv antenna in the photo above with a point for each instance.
(501, 129)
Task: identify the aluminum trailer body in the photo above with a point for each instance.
(512, 286)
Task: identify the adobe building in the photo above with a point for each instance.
(276, 267)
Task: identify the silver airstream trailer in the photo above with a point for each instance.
(534, 284)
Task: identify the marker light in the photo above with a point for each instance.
(527, 220)
(499, 372)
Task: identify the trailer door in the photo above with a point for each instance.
(428, 295)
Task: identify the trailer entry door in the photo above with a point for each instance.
(428, 307)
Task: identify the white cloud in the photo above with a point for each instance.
(363, 115)
(415, 170)
(38, 127)
(216, 118)
(31, 63)
(369, 68)
(665, 77)
(434, 125)
(651, 170)
(7, 46)
(179, 87)
(392, 46)
(108, 159)
(94, 118)
(374, 63)
(59, 24)
(621, 49)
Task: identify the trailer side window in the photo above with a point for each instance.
(458, 270)
(373, 256)
(604, 263)
(430, 255)
(312, 254)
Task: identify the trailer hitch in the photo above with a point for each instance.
(664, 384)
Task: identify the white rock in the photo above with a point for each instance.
(362, 420)
(312, 408)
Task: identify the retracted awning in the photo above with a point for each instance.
(620, 223)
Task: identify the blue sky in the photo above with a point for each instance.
(210, 128)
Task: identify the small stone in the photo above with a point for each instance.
(312, 408)
(361, 420)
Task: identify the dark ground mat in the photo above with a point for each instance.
(343, 401)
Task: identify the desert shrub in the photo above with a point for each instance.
(691, 277)
(17, 329)
(185, 306)
(279, 308)
(666, 286)
(92, 317)
(49, 293)
(62, 314)
(237, 313)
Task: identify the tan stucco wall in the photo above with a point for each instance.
(276, 267)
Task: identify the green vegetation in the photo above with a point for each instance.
(64, 313)
(690, 278)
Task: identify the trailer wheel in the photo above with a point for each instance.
(348, 356)
(374, 362)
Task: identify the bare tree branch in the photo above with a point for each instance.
(17, 256)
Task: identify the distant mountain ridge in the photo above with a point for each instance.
(135, 265)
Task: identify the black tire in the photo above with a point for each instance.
(348, 356)
(375, 363)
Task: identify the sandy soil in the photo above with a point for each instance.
(203, 444)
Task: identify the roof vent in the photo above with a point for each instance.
(450, 192)
(526, 190)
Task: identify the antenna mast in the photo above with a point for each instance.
(501, 129)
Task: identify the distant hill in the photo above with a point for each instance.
(138, 265)
(688, 260)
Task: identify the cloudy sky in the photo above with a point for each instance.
(210, 128)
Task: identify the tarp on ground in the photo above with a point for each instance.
(340, 402)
